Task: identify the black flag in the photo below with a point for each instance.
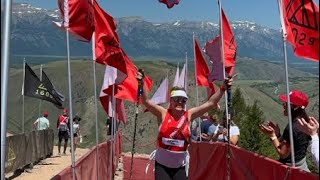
(33, 87)
(47, 83)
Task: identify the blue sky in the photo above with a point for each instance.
(264, 12)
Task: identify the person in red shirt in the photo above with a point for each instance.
(63, 126)
(174, 131)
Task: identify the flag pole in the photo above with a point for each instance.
(225, 93)
(195, 78)
(24, 74)
(66, 25)
(111, 126)
(114, 121)
(95, 101)
(186, 74)
(284, 37)
(40, 99)
(5, 52)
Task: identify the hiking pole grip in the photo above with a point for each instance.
(140, 83)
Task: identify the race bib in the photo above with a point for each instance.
(173, 142)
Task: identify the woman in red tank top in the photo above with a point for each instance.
(174, 130)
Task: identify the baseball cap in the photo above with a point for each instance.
(65, 110)
(178, 93)
(45, 113)
(297, 98)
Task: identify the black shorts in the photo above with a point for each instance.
(165, 173)
(63, 135)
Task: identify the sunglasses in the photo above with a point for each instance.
(179, 99)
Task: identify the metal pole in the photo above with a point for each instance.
(66, 25)
(195, 78)
(70, 107)
(111, 126)
(4, 82)
(284, 36)
(40, 102)
(225, 93)
(24, 74)
(288, 105)
(95, 102)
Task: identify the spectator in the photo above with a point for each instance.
(312, 129)
(221, 132)
(76, 131)
(42, 122)
(63, 126)
(174, 131)
(299, 101)
(205, 123)
(207, 135)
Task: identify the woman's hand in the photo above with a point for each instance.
(268, 130)
(140, 74)
(276, 127)
(228, 82)
(310, 127)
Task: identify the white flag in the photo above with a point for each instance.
(162, 94)
(176, 78)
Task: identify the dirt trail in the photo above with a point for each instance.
(49, 167)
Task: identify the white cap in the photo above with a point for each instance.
(178, 93)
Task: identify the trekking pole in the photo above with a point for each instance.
(140, 91)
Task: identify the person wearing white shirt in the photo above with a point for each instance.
(311, 128)
(42, 122)
(221, 132)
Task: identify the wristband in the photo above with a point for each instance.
(222, 89)
(315, 137)
(273, 138)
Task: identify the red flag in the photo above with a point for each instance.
(202, 70)
(301, 21)
(170, 3)
(79, 19)
(128, 89)
(112, 77)
(230, 45)
(106, 102)
(212, 49)
(107, 45)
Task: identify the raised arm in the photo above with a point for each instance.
(155, 109)
(211, 103)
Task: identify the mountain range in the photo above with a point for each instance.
(34, 33)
